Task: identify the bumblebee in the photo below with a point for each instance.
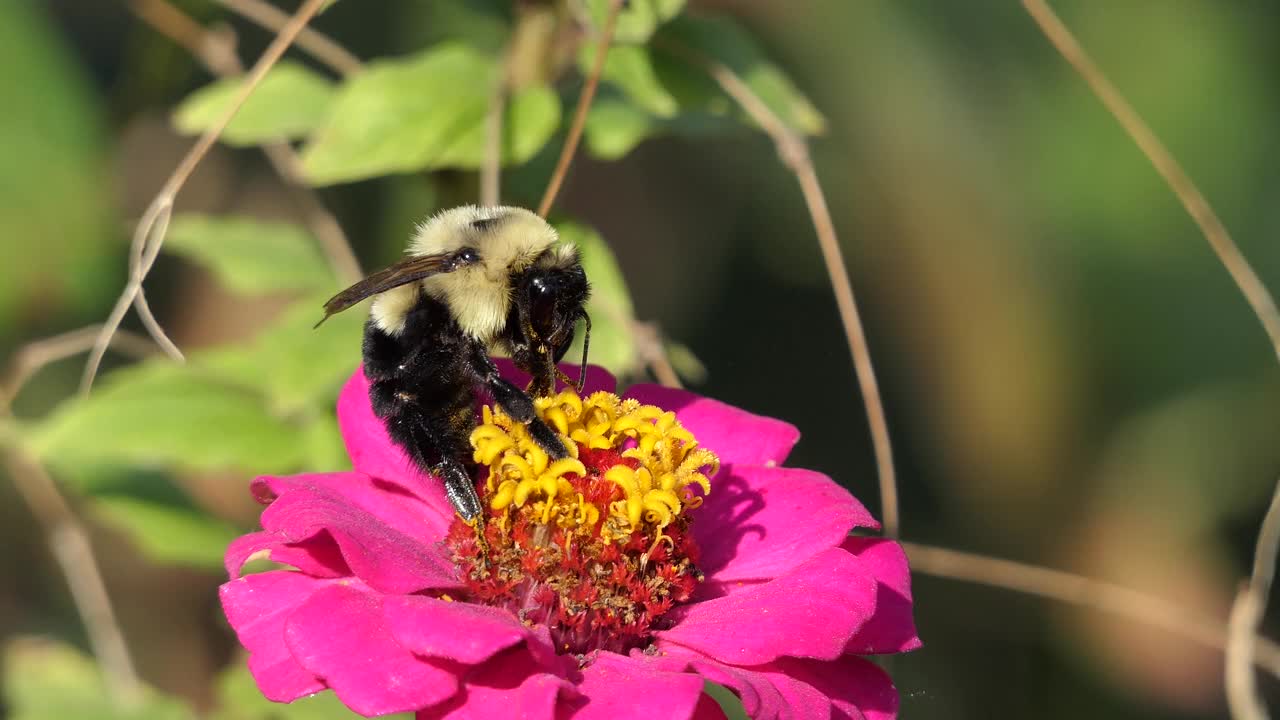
(475, 280)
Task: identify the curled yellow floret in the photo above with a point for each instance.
(658, 464)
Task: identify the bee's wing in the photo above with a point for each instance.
(406, 271)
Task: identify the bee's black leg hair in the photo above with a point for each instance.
(459, 487)
(426, 440)
(516, 403)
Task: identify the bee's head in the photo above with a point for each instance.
(551, 295)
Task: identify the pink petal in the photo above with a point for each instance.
(737, 436)
(812, 611)
(458, 631)
(800, 699)
(370, 447)
(339, 635)
(760, 699)
(760, 522)
(512, 681)
(378, 553)
(892, 629)
(317, 557)
(396, 504)
(623, 688)
(257, 607)
(856, 688)
(598, 378)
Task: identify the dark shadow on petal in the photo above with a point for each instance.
(727, 512)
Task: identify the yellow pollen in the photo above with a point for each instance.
(656, 463)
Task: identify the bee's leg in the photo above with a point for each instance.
(426, 443)
(544, 373)
(458, 487)
(516, 403)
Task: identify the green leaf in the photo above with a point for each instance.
(49, 681)
(422, 112)
(656, 79)
(251, 256)
(630, 68)
(532, 116)
(612, 316)
(615, 127)
(723, 40)
(160, 414)
(637, 21)
(293, 364)
(240, 699)
(727, 700)
(290, 102)
(168, 533)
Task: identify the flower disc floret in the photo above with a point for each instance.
(595, 546)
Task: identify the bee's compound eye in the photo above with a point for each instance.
(542, 304)
(467, 256)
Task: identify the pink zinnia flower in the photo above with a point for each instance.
(609, 587)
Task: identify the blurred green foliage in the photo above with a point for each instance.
(54, 195)
(45, 680)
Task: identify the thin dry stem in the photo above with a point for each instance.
(215, 49)
(312, 41)
(1264, 307)
(71, 549)
(1246, 615)
(66, 537)
(328, 232)
(794, 153)
(649, 346)
(32, 357)
(491, 168)
(580, 113)
(149, 235)
(1086, 592)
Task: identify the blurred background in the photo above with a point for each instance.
(1070, 377)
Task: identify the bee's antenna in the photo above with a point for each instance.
(586, 342)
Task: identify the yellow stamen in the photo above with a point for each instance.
(663, 461)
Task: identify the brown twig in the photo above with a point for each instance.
(1264, 307)
(1246, 616)
(1251, 601)
(491, 167)
(580, 113)
(67, 538)
(649, 346)
(33, 356)
(328, 232)
(312, 41)
(794, 152)
(71, 549)
(149, 235)
(1086, 592)
(215, 49)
